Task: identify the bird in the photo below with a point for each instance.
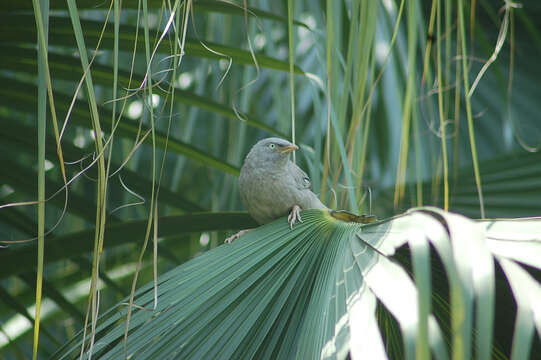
(271, 185)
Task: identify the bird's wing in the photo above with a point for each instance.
(302, 181)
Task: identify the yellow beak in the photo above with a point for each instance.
(288, 149)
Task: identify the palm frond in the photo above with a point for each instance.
(311, 292)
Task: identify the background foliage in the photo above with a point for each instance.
(179, 92)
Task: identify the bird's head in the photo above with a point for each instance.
(270, 152)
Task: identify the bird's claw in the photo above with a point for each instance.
(294, 215)
(234, 237)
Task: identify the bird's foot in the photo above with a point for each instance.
(294, 215)
(234, 237)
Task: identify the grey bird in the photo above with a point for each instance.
(272, 186)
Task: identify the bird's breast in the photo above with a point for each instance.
(266, 195)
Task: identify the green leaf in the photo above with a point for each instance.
(16, 260)
(221, 7)
(50, 291)
(13, 303)
(23, 179)
(69, 68)
(20, 96)
(527, 292)
(509, 191)
(19, 137)
(15, 29)
(324, 276)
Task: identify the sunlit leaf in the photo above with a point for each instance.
(308, 292)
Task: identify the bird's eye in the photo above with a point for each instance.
(272, 146)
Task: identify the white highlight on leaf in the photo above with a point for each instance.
(154, 100)
(389, 6)
(365, 338)
(259, 41)
(185, 80)
(310, 21)
(135, 110)
(94, 135)
(223, 64)
(48, 165)
(18, 325)
(382, 49)
(204, 239)
(79, 141)
(5, 190)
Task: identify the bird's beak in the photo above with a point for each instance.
(288, 149)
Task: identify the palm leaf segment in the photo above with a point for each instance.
(311, 292)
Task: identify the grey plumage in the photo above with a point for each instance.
(271, 185)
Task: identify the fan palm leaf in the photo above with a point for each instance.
(311, 292)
